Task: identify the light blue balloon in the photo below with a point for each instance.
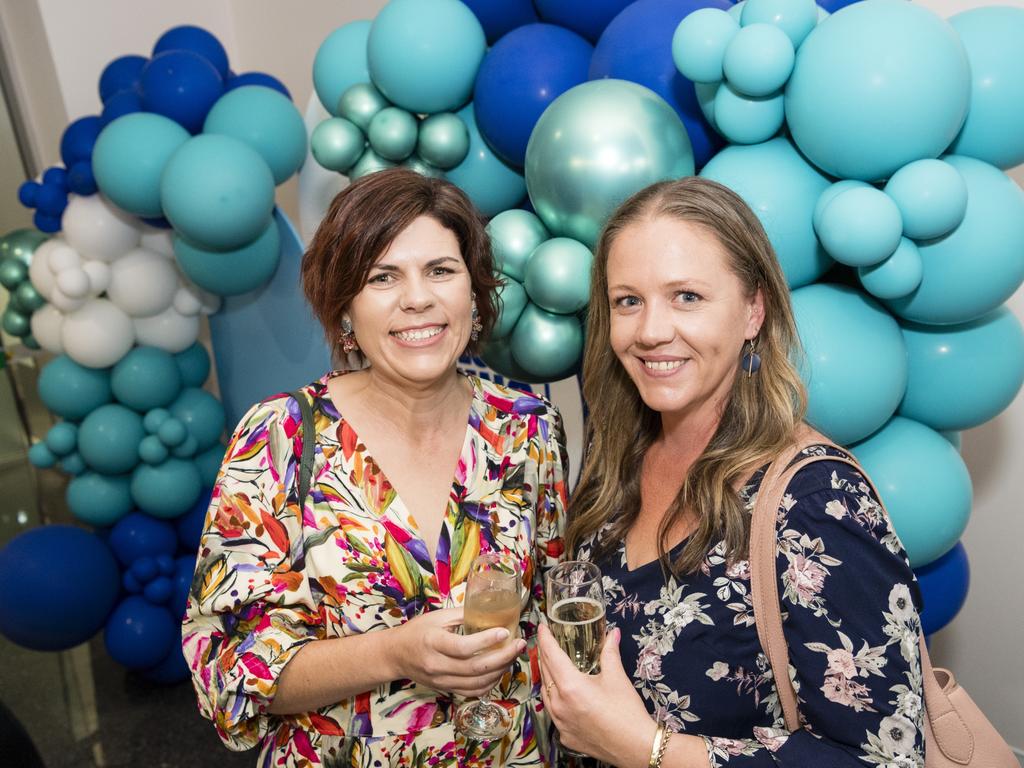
(796, 18)
(512, 300)
(166, 490)
(897, 276)
(558, 275)
(745, 119)
(860, 227)
(514, 236)
(62, 438)
(759, 60)
(340, 63)
(706, 93)
(266, 121)
(736, 12)
(229, 273)
(202, 414)
(923, 483)
(931, 196)
(71, 390)
(491, 185)
(994, 129)
(955, 439)
(699, 44)
(423, 55)
(878, 84)
(978, 265)
(854, 360)
(109, 439)
(782, 189)
(830, 194)
(218, 192)
(129, 159)
(963, 375)
(145, 378)
(208, 463)
(99, 499)
(545, 345)
(194, 365)
(39, 455)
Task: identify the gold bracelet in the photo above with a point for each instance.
(658, 747)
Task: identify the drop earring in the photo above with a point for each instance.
(474, 334)
(348, 337)
(751, 362)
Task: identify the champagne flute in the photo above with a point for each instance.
(493, 599)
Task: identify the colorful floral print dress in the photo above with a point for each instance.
(849, 617)
(271, 577)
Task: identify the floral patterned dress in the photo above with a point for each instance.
(849, 618)
(271, 577)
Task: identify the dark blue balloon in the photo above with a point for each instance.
(120, 104)
(145, 569)
(159, 590)
(173, 669)
(195, 40)
(587, 17)
(28, 193)
(256, 78)
(637, 46)
(122, 74)
(56, 177)
(139, 634)
(190, 525)
(51, 200)
(184, 570)
(181, 85)
(59, 586)
(834, 5)
(499, 17)
(165, 563)
(944, 584)
(138, 535)
(78, 139)
(130, 583)
(81, 179)
(520, 76)
(44, 223)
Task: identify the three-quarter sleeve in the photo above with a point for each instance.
(249, 608)
(851, 626)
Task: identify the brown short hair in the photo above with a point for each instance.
(362, 222)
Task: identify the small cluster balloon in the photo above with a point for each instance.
(16, 251)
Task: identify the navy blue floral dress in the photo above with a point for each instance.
(850, 621)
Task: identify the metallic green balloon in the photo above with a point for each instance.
(30, 341)
(498, 356)
(27, 298)
(545, 345)
(15, 323)
(512, 300)
(337, 144)
(416, 163)
(12, 272)
(393, 133)
(514, 236)
(360, 103)
(369, 163)
(594, 146)
(21, 243)
(558, 275)
(444, 140)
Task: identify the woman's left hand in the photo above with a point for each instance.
(600, 715)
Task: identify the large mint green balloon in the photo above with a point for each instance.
(340, 63)
(515, 234)
(21, 244)
(229, 273)
(594, 146)
(443, 140)
(392, 133)
(558, 275)
(337, 144)
(546, 345)
(512, 300)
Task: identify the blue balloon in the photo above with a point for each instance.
(340, 63)
(109, 439)
(759, 59)
(181, 85)
(81, 179)
(190, 525)
(194, 365)
(649, 26)
(121, 74)
(51, 200)
(492, 185)
(99, 499)
(202, 414)
(120, 104)
(138, 535)
(184, 568)
(145, 569)
(158, 591)
(79, 139)
(499, 17)
(932, 198)
(28, 193)
(56, 177)
(145, 378)
(584, 17)
(60, 584)
(166, 490)
(860, 226)
(229, 273)
(139, 634)
(195, 40)
(746, 119)
(71, 390)
(509, 97)
(257, 78)
(173, 669)
(944, 584)
(45, 223)
(897, 276)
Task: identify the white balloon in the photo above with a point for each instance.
(97, 229)
(39, 271)
(211, 302)
(158, 241)
(97, 335)
(99, 276)
(73, 283)
(191, 299)
(186, 302)
(64, 257)
(46, 323)
(142, 283)
(66, 303)
(170, 330)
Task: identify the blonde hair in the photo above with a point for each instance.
(757, 422)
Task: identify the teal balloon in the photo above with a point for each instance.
(931, 196)
(28, 298)
(594, 146)
(360, 103)
(854, 361)
(547, 346)
(218, 192)
(99, 499)
(208, 464)
(393, 133)
(62, 438)
(422, 167)
(73, 464)
(897, 276)
(994, 128)
(963, 375)
(152, 450)
(515, 234)
(145, 378)
(265, 120)
(796, 18)
(424, 55)
(186, 449)
(231, 272)
(498, 356)
(512, 300)
(340, 63)
(14, 322)
(194, 365)
(202, 414)
(978, 265)
(21, 244)
(369, 162)
(30, 342)
(558, 275)
(154, 419)
(443, 140)
(337, 144)
(12, 273)
(491, 185)
(109, 439)
(40, 455)
(923, 483)
(782, 188)
(129, 159)
(72, 391)
(759, 60)
(860, 227)
(166, 490)
(747, 119)
(172, 432)
(699, 43)
(956, 439)
(830, 194)
(706, 93)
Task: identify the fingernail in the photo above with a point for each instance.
(501, 635)
(521, 645)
